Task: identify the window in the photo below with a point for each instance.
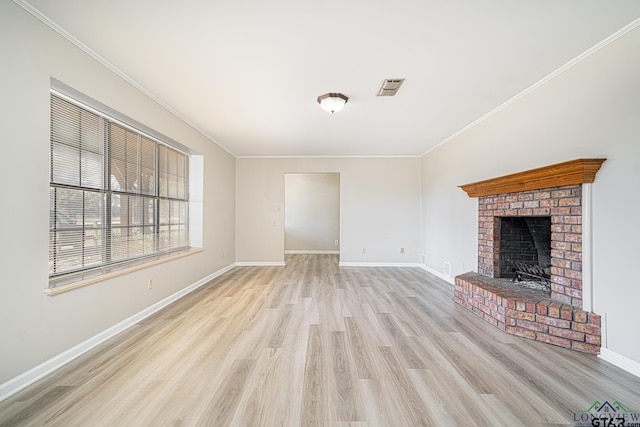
(117, 194)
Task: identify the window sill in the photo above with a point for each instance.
(81, 282)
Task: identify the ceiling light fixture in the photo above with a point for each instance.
(332, 102)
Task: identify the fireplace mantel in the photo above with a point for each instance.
(573, 172)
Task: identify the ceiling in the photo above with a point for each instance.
(247, 73)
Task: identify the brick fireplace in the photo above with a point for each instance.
(552, 194)
(563, 205)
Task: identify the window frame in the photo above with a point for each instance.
(107, 266)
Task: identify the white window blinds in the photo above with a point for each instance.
(116, 194)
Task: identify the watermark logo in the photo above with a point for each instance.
(607, 414)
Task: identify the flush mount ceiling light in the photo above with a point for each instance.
(332, 102)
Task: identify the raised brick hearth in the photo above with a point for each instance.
(553, 192)
(528, 314)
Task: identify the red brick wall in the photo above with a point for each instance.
(564, 206)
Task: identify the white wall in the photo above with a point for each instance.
(35, 327)
(312, 212)
(379, 207)
(590, 110)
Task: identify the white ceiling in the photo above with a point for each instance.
(247, 73)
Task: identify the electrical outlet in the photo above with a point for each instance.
(336, 242)
(401, 250)
(447, 268)
(364, 250)
(150, 284)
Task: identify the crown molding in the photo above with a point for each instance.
(615, 36)
(86, 49)
(346, 156)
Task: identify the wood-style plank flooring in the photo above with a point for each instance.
(314, 344)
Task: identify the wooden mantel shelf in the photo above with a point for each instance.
(573, 172)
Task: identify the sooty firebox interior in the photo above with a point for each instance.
(524, 240)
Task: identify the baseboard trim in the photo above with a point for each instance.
(620, 361)
(260, 264)
(24, 380)
(378, 264)
(311, 252)
(438, 274)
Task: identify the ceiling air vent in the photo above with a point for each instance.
(389, 87)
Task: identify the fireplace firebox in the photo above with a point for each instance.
(524, 241)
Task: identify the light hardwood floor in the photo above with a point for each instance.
(313, 344)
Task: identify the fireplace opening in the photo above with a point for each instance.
(525, 250)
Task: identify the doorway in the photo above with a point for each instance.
(312, 213)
